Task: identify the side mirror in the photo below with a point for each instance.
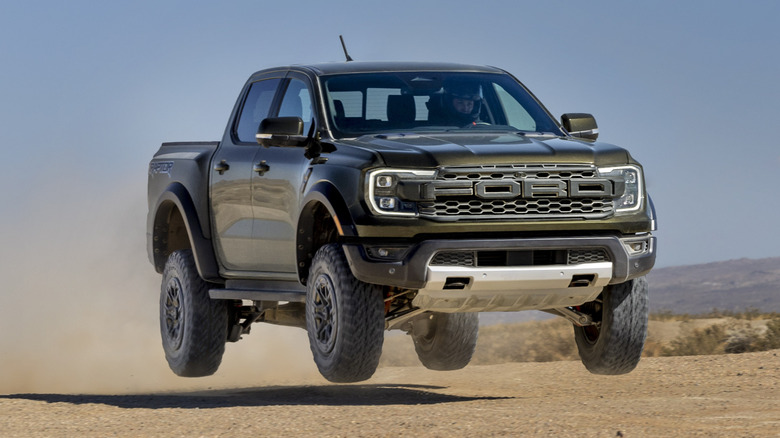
(580, 125)
(281, 131)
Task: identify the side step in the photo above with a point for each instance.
(265, 291)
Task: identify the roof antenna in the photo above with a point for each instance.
(344, 46)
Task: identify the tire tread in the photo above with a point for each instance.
(206, 321)
(621, 340)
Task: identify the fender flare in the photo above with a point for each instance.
(176, 196)
(328, 196)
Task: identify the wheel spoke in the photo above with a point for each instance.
(323, 332)
(323, 309)
(321, 314)
(173, 311)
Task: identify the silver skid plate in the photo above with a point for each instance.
(507, 289)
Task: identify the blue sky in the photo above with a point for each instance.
(88, 90)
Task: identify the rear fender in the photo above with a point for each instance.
(175, 200)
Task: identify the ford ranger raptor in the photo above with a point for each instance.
(353, 198)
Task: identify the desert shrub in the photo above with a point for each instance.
(771, 338)
(708, 340)
(733, 337)
(668, 315)
(742, 338)
(750, 313)
(664, 315)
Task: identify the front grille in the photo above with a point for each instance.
(451, 196)
(477, 259)
(518, 207)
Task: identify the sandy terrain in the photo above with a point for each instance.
(727, 395)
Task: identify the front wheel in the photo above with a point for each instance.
(344, 318)
(445, 341)
(614, 344)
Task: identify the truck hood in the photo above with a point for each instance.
(459, 149)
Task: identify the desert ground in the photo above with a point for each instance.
(736, 395)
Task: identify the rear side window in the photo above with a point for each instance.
(256, 106)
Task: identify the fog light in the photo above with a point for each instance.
(636, 247)
(386, 253)
(384, 181)
(387, 203)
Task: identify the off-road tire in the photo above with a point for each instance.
(446, 341)
(192, 325)
(344, 318)
(615, 345)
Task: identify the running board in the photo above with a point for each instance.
(272, 291)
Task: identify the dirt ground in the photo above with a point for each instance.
(727, 395)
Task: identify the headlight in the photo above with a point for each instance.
(633, 193)
(392, 192)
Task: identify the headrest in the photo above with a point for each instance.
(400, 108)
(339, 107)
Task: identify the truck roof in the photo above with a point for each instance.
(368, 67)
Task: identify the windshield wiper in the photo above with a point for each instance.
(530, 134)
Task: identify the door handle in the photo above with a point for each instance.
(261, 168)
(222, 167)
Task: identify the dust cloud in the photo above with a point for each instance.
(79, 303)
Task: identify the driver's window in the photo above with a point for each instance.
(297, 103)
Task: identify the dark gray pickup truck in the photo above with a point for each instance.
(353, 198)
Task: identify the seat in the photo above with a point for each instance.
(339, 117)
(339, 107)
(435, 107)
(401, 110)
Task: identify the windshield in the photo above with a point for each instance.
(369, 103)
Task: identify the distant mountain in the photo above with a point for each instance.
(734, 285)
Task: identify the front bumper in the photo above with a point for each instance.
(512, 287)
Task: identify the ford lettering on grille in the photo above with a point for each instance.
(534, 192)
(527, 188)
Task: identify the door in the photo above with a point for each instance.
(231, 176)
(276, 186)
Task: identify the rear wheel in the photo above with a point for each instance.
(614, 344)
(446, 341)
(192, 325)
(344, 318)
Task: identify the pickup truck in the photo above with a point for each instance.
(353, 198)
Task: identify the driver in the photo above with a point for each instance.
(462, 102)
